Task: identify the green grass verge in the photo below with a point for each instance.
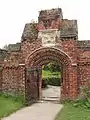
(69, 112)
(9, 104)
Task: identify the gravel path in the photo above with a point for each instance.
(38, 111)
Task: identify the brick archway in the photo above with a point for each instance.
(42, 56)
(20, 63)
(50, 53)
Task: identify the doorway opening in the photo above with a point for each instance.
(52, 79)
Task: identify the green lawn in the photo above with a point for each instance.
(69, 112)
(9, 104)
(48, 73)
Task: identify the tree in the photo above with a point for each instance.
(5, 47)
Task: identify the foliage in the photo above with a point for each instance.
(83, 103)
(53, 67)
(9, 104)
(5, 47)
(55, 81)
(84, 96)
(51, 78)
(48, 73)
(51, 75)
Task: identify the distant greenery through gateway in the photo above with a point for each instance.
(48, 74)
(51, 75)
(9, 104)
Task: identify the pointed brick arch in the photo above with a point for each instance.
(42, 56)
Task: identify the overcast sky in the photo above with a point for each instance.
(15, 13)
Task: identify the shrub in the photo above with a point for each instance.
(44, 83)
(55, 81)
(84, 97)
(53, 67)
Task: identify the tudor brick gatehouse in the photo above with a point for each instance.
(51, 39)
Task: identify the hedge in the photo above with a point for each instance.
(55, 81)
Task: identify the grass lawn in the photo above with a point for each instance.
(48, 73)
(9, 104)
(69, 112)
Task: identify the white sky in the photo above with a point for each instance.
(15, 13)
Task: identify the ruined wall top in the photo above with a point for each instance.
(14, 47)
(69, 28)
(84, 45)
(30, 31)
(48, 20)
(52, 13)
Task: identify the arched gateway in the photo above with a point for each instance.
(51, 39)
(34, 63)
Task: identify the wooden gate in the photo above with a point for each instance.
(32, 84)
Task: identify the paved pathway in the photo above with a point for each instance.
(43, 110)
(38, 111)
(52, 93)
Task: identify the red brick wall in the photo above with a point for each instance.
(83, 68)
(84, 74)
(77, 75)
(13, 79)
(27, 47)
(78, 71)
(70, 48)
